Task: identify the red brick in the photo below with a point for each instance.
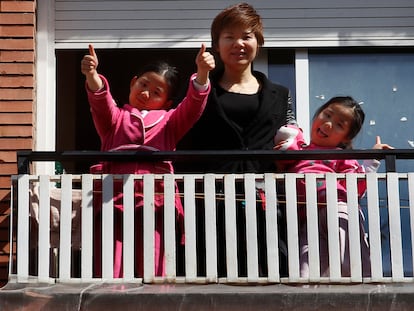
(16, 144)
(16, 106)
(17, 81)
(16, 118)
(4, 223)
(15, 131)
(16, 69)
(16, 94)
(16, 56)
(8, 169)
(5, 182)
(4, 204)
(17, 44)
(4, 248)
(7, 157)
(17, 19)
(17, 6)
(4, 194)
(17, 31)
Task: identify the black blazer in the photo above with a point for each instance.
(215, 130)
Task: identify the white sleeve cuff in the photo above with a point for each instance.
(371, 166)
(200, 87)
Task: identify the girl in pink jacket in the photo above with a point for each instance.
(147, 122)
(334, 126)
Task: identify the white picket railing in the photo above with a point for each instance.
(52, 228)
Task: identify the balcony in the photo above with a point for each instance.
(53, 238)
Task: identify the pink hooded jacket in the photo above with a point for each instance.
(295, 141)
(127, 128)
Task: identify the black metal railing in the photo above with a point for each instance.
(24, 158)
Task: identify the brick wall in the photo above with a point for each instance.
(17, 95)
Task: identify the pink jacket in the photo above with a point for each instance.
(127, 128)
(295, 141)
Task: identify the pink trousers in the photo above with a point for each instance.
(159, 263)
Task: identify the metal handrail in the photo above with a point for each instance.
(25, 157)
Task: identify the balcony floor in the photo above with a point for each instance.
(102, 296)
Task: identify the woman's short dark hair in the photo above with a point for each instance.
(241, 14)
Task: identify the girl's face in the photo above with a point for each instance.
(331, 126)
(237, 46)
(149, 92)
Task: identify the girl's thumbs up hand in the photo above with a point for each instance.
(379, 145)
(205, 63)
(89, 63)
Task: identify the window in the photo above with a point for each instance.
(382, 80)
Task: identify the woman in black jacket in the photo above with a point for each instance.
(244, 110)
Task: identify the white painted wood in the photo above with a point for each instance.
(65, 251)
(292, 228)
(333, 227)
(251, 228)
(251, 181)
(22, 251)
(302, 91)
(169, 226)
(149, 228)
(129, 227)
(272, 240)
(374, 232)
(87, 227)
(411, 207)
(393, 195)
(312, 227)
(353, 227)
(211, 227)
(167, 24)
(231, 234)
(46, 76)
(44, 229)
(190, 229)
(107, 226)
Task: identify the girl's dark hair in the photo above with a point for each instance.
(358, 120)
(170, 73)
(240, 15)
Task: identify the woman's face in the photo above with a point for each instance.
(237, 46)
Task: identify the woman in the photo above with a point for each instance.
(244, 109)
(243, 112)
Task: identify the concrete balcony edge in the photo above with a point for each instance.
(126, 296)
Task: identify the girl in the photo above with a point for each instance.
(334, 126)
(147, 122)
